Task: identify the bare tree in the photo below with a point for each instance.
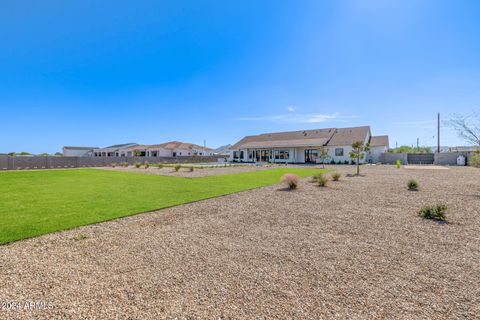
(467, 127)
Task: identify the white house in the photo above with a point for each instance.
(378, 145)
(303, 146)
(168, 149)
(69, 151)
(111, 151)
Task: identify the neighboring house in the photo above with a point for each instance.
(301, 146)
(78, 151)
(112, 151)
(168, 149)
(378, 145)
(223, 150)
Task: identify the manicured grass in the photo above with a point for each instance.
(38, 202)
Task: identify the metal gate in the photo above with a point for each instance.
(420, 158)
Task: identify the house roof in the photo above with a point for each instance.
(116, 147)
(79, 148)
(379, 141)
(317, 137)
(305, 138)
(168, 145)
(178, 145)
(347, 136)
(131, 144)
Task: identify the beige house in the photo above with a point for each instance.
(168, 149)
(303, 146)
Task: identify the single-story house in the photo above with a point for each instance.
(303, 146)
(112, 151)
(168, 149)
(69, 151)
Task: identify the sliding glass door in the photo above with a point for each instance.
(311, 155)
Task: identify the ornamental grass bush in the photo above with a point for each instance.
(177, 167)
(336, 176)
(322, 180)
(437, 212)
(290, 180)
(138, 165)
(412, 185)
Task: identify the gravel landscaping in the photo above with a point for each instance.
(353, 250)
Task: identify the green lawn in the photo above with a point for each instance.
(38, 202)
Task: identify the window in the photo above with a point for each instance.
(339, 152)
(282, 154)
(250, 154)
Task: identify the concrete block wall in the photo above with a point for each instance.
(448, 158)
(391, 158)
(28, 163)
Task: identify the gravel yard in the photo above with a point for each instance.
(354, 250)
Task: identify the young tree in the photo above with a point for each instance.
(467, 127)
(323, 155)
(358, 153)
(137, 153)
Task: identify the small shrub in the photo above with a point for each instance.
(147, 165)
(434, 212)
(291, 180)
(475, 159)
(138, 165)
(398, 163)
(79, 237)
(190, 169)
(412, 185)
(177, 167)
(336, 176)
(114, 165)
(315, 177)
(322, 180)
(125, 164)
(160, 166)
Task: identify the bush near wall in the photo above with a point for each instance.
(475, 159)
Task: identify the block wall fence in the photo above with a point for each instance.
(23, 163)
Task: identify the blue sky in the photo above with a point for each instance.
(98, 73)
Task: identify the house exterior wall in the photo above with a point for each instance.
(76, 152)
(375, 152)
(297, 155)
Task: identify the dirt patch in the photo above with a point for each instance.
(354, 250)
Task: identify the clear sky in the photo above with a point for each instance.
(96, 73)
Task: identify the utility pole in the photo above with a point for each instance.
(438, 133)
(417, 142)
